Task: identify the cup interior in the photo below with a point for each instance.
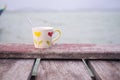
(42, 28)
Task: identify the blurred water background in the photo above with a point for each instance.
(77, 27)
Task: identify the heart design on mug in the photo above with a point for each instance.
(37, 34)
(50, 34)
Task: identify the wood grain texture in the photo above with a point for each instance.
(62, 70)
(61, 51)
(106, 70)
(15, 69)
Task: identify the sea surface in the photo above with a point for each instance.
(76, 27)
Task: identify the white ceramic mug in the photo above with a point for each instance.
(42, 36)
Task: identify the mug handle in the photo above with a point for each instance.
(58, 36)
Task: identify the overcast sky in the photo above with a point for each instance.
(62, 5)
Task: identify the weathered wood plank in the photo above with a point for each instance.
(15, 69)
(62, 70)
(106, 70)
(61, 51)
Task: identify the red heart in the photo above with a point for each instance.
(50, 34)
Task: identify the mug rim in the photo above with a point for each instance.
(42, 28)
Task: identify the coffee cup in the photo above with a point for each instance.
(43, 36)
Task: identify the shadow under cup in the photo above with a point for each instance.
(42, 36)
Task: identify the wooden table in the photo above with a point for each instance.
(60, 62)
(15, 69)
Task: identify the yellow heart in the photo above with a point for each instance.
(37, 34)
